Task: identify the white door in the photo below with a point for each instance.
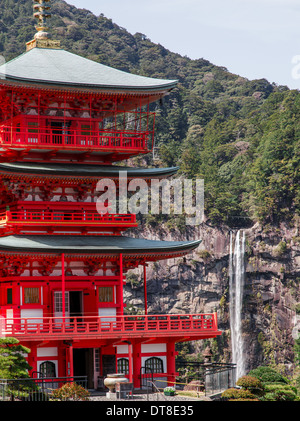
(58, 305)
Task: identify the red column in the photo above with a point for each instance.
(171, 367)
(63, 285)
(137, 363)
(130, 361)
(145, 289)
(121, 299)
(62, 362)
(71, 360)
(32, 358)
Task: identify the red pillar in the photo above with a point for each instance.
(62, 362)
(32, 359)
(137, 363)
(63, 286)
(130, 362)
(71, 360)
(171, 366)
(121, 299)
(145, 289)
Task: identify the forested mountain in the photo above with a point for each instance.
(243, 138)
(240, 136)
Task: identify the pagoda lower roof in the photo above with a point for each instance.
(85, 244)
(58, 67)
(84, 170)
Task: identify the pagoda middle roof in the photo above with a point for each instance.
(59, 67)
(82, 244)
(84, 170)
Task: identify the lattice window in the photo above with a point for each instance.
(106, 294)
(58, 305)
(32, 295)
(155, 364)
(33, 126)
(123, 365)
(48, 369)
(86, 130)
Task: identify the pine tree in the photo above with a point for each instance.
(13, 364)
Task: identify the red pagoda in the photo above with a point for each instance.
(65, 123)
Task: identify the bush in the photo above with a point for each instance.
(231, 393)
(268, 375)
(238, 394)
(280, 392)
(71, 392)
(251, 384)
(280, 395)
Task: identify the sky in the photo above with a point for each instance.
(252, 38)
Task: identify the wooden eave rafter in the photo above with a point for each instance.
(68, 179)
(72, 91)
(128, 257)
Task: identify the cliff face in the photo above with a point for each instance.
(199, 283)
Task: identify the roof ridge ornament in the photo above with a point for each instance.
(41, 13)
(42, 38)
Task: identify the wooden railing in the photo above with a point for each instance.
(109, 327)
(65, 217)
(74, 139)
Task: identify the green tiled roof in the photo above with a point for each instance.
(60, 67)
(91, 244)
(84, 170)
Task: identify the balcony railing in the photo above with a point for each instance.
(187, 325)
(74, 139)
(40, 217)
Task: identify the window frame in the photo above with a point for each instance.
(49, 363)
(123, 362)
(153, 362)
(11, 300)
(24, 303)
(112, 289)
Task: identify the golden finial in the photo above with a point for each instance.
(42, 37)
(41, 10)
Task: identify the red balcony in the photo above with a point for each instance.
(56, 138)
(178, 327)
(26, 220)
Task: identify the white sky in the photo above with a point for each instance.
(252, 38)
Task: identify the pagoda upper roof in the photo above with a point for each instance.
(82, 244)
(84, 170)
(58, 67)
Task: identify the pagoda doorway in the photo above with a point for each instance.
(83, 364)
(75, 303)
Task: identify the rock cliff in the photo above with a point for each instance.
(199, 283)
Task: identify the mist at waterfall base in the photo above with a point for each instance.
(236, 290)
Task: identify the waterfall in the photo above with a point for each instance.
(236, 289)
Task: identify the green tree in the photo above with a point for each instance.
(13, 364)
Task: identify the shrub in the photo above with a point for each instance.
(71, 392)
(268, 375)
(238, 394)
(280, 392)
(231, 393)
(251, 384)
(280, 395)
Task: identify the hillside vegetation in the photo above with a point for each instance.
(240, 136)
